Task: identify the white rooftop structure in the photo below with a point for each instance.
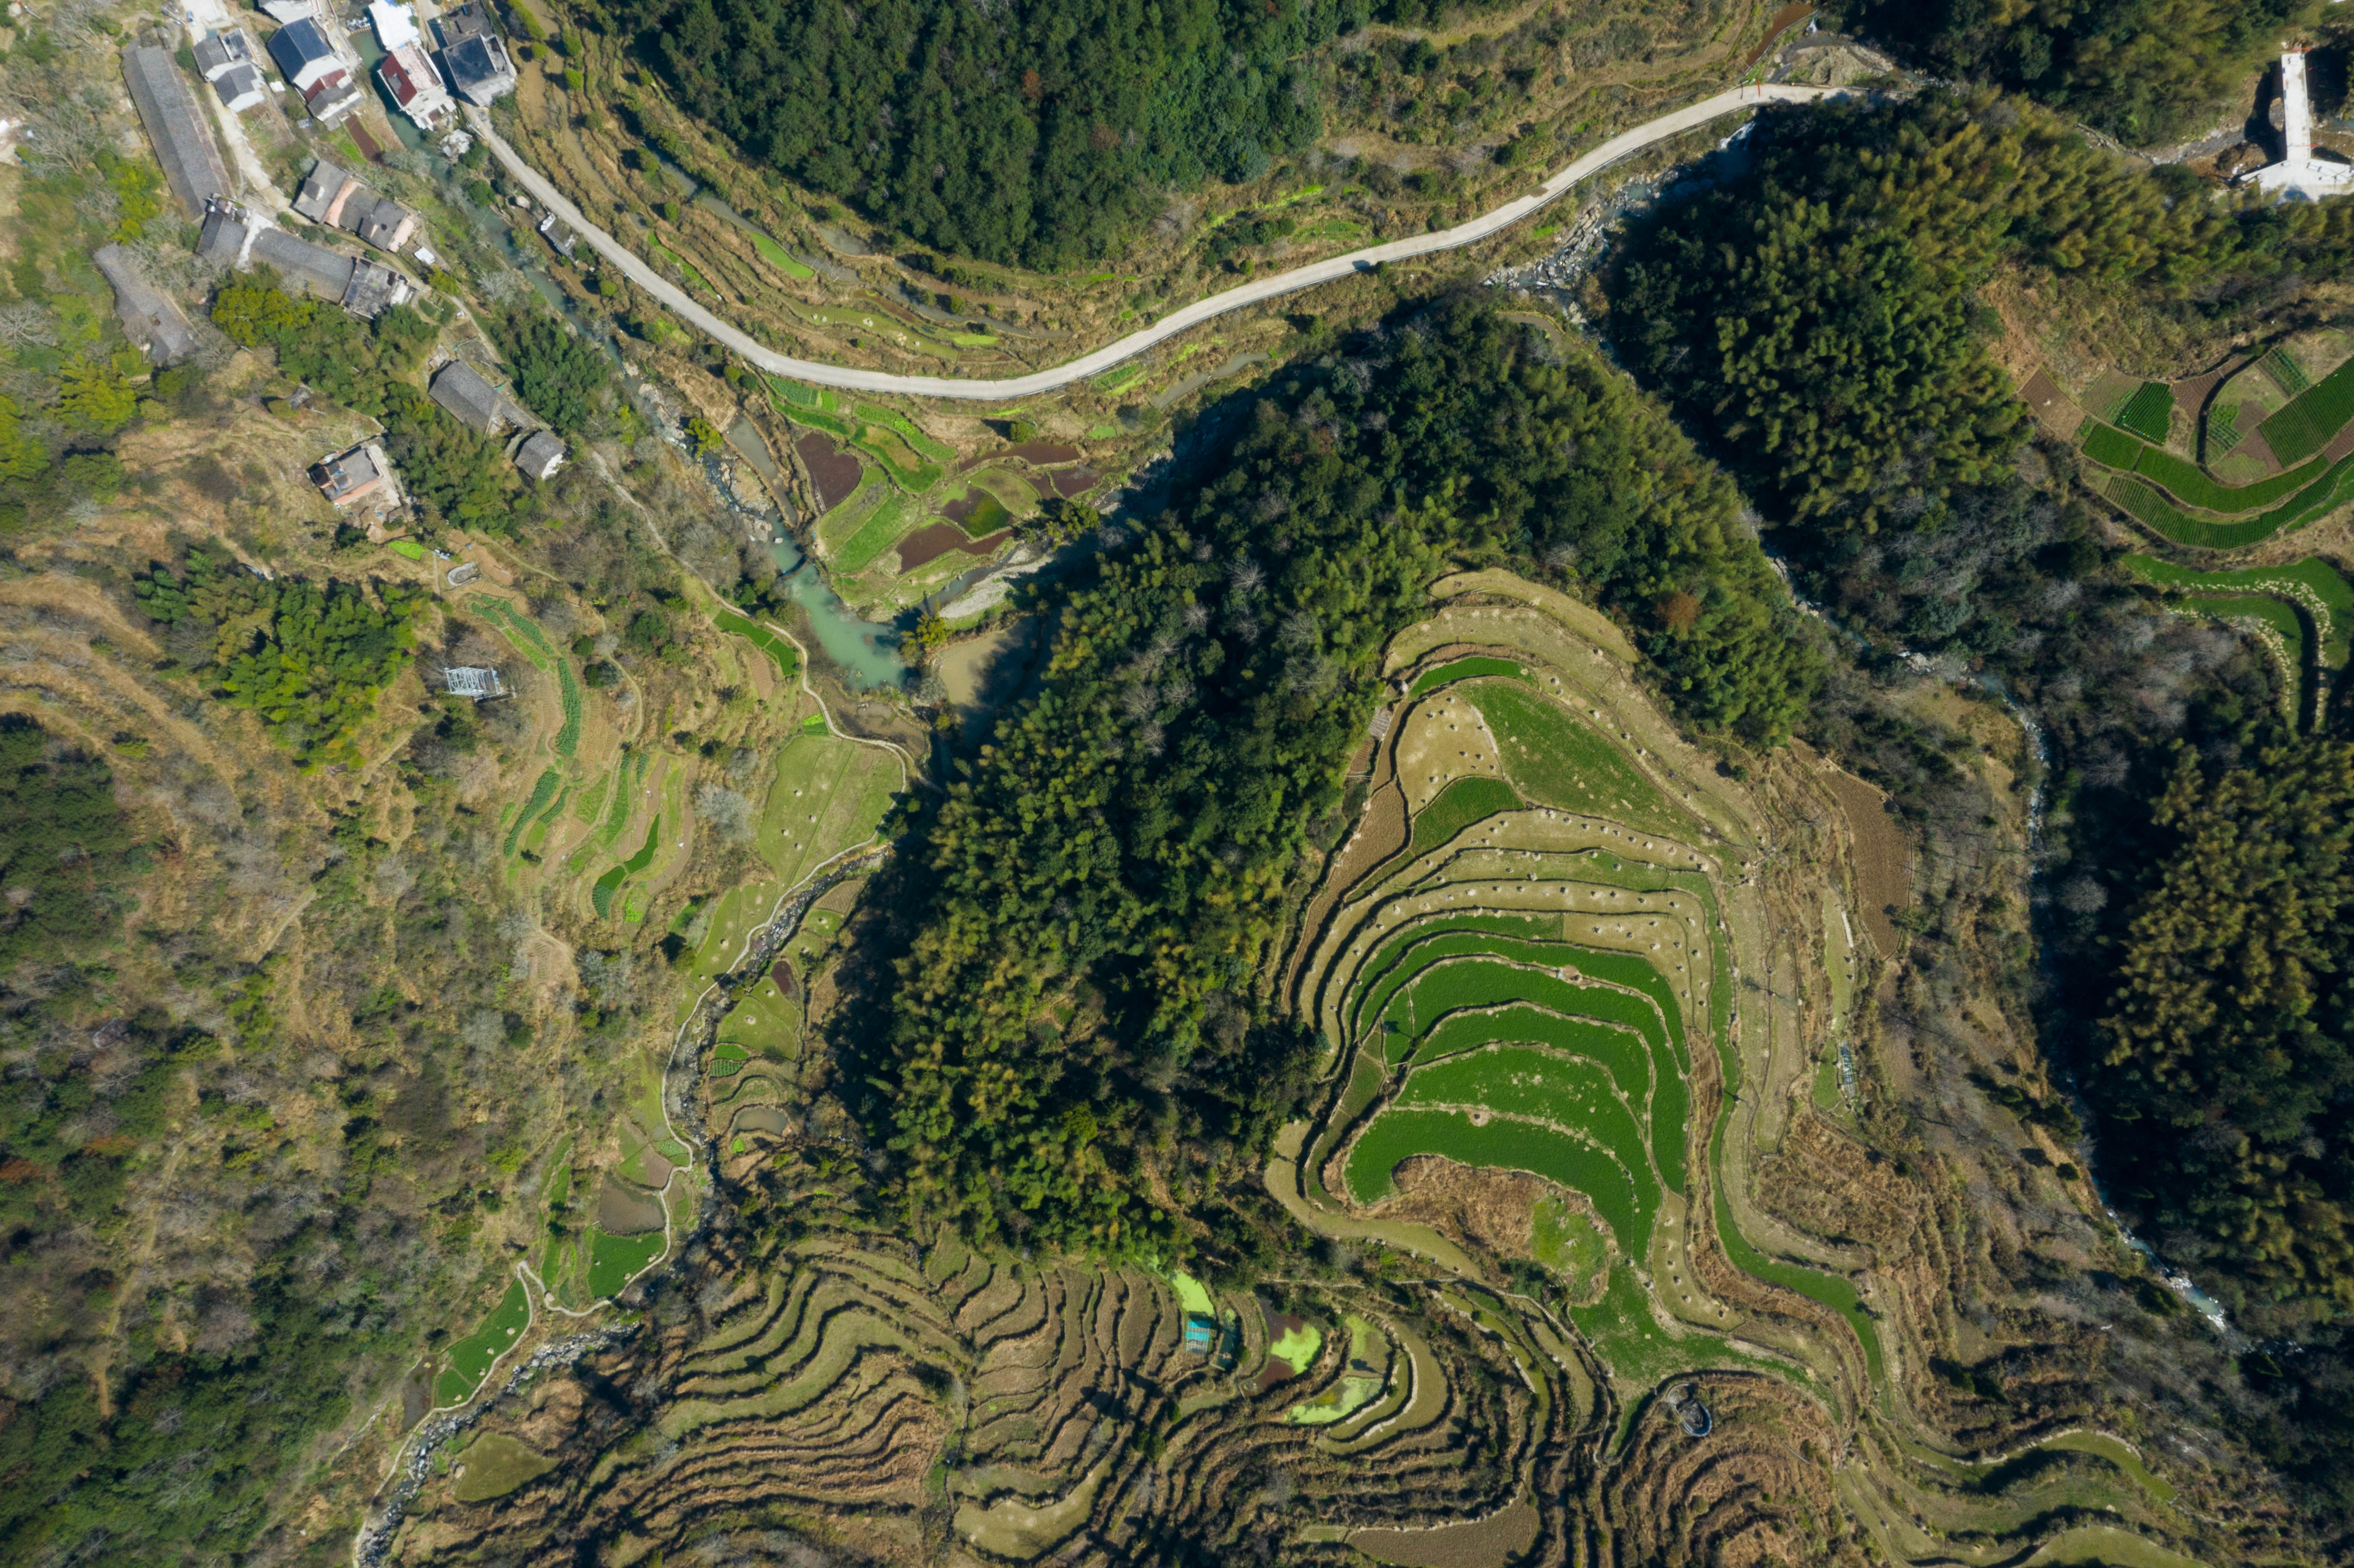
(394, 23)
(469, 680)
(2300, 176)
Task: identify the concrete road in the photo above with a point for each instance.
(1168, 326)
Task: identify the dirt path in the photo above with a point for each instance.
(1674, 123)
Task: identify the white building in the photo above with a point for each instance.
(394, 23)
(2300, 177)
(416, 88)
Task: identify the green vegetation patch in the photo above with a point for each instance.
(2312, 584)
(601, 894)
(787, 659)
(880, 531)
(2312, 418)
(1564, 1238)
(1298, 1347)
(525, 634)
(1555, 760)
(2285, 370)
(1464, 670)
(308, 659)
(469, 1361)
(614, 1261)
(1456, 808)
(1399, 1134)
(2150, 506)
(542, 792)
(916, 436)
(775, 256)
(2186, 481)
(496, 1464)
(2149, 412)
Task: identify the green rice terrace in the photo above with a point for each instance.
(1547, 962)
(2259, 448)
(614, 822)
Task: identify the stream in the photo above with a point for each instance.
(2039, 747)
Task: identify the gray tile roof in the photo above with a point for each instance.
(319, 188)
(324, 272)
(241, 86)
(462, 389)
(175, 125)
(478, 70)
(541, 455)
(301, 47)
(151, 318)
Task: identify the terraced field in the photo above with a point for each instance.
(1552, 959)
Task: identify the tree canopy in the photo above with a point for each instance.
(1028, 131)
(309, 658)
(2146, 70)
(2230, 1040)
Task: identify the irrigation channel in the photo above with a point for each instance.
(1674, 123)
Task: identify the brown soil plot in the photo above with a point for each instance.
(1883, 859)
(835, 473)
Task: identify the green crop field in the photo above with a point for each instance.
(829, 795)
(915, 435)
(2283, 368)
(1456, 807)
(775, 256)
(878, 533)
(788, 660)
(2149, 413)
(1464, 670)
(2151, 507)
(2312, 575)
(469, 1361)
(614, 1260)
(1619, 1051)
(2107, 444)
(2313, 417)
(2185, 482)
(542, 793)
(1475, 982)
(601, 894)
(1556, 760)
(525, 634)
(1567, 1091)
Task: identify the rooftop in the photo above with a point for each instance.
(461, 388)
(478, 69)
(348, 475)
(301, 47)
(167, 107)
(151, 318)
(541, 455)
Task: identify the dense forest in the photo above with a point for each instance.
(2231, 1043)
(1029, 132)
(1090, 905)
(1816, 319)
(2143, 70)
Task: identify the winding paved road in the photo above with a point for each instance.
(638, 273)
